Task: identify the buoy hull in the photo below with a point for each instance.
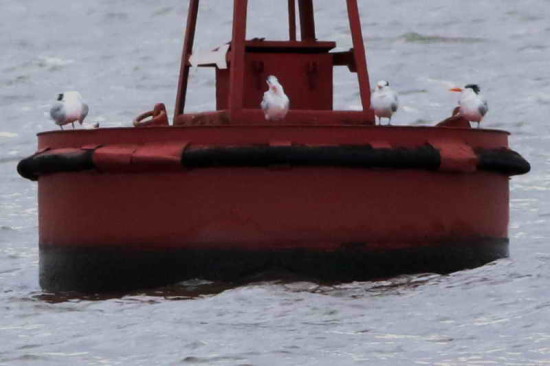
(123, 209)
(120, 231)
(103, 269)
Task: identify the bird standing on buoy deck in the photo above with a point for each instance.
(384, 101)
(275, 103)
(69, 108)
(471, 105)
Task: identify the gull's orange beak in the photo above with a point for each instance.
(456, 90)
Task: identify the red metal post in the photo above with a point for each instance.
(187, 51)
(359, 54)
(236, 86)
(292, 20)
(307, 20)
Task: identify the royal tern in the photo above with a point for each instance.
(384, 101)
(69, 108)
(472, 105)
(275, 103)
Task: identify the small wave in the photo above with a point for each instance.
(543, 99)
(53, 62)
(210, 360)
(116, 16)
(8, 134)
(163, 11)
(413, 37)
(10, 159)
(17, 80)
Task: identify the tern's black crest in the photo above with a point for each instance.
(60, 97)
(474, 87)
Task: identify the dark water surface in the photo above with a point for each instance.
(123, 56)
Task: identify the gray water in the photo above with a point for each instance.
(123, 57)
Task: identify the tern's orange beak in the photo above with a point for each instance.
(456, 90)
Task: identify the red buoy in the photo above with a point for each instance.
(226, 194)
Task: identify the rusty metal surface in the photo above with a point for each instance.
(271, 208)
(307, 79)
(257, 134)
(156, 117)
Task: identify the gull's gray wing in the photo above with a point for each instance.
(57, 112)
(84, 113)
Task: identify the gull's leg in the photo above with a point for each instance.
(61, 126)
(389, 121)
(72, 123)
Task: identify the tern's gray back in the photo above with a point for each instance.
(57, 112)
(85, 110)
(483, 108)
(395, 103)
(264, 103)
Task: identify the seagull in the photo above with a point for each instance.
(69, 108)
(275, 103)
(472, 105)
(384, 101)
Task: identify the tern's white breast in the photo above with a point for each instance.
(382, 102)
